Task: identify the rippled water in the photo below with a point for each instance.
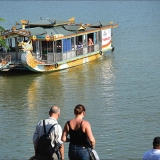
(120, 91)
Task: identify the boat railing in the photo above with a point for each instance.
(58, 57)
(85, 51)
(79, 51)
(96, 47)
(15, 56)
(68, 55)
(91, 48)
(5, 58)
(51, 57)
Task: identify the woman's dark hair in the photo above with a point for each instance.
(79, 109)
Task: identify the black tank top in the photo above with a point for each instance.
(77, 137)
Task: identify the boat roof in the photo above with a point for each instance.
(36, 31)
(48, 22)
(51, 27)
(101, 24)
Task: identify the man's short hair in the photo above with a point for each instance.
(53, 110)
(156, 141)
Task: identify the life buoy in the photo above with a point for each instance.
(101, 53)
(56, 65)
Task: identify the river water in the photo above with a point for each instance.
(121, 91)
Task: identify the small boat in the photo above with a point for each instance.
(49, 45)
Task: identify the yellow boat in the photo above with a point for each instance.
(50, 45)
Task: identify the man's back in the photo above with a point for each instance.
(153, 154)
(54, 134)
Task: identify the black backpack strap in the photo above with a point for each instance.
(51, 128)
(44, 126)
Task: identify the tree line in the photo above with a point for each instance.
(2, 39)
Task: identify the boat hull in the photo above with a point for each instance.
(29, 62)
(37, 66)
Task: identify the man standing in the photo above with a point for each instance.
(153, 154)
(55, 135)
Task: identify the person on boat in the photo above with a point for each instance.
(59, 47)
(80, 48)
(80, 134)
(55, 134)
(79, 45)
(90, 45)
(153, 154)
(90, 42)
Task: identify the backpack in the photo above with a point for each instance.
(44, 143)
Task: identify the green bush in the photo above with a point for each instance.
(2, 40)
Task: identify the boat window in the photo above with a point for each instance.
(11, 44)
(67, 45)
(95, 38)
(47, 47)
(44, 47)
(37, 48)
(73, 43)
(34, 46)
(79, 39)
(90, 36)
(58, 47)
(90, 42)
(24, 39)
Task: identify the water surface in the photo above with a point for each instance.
(120, 91)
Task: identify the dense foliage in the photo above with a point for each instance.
(2, 40)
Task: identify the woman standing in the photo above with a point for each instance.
(79, 132)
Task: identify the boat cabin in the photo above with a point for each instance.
(54, 41)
